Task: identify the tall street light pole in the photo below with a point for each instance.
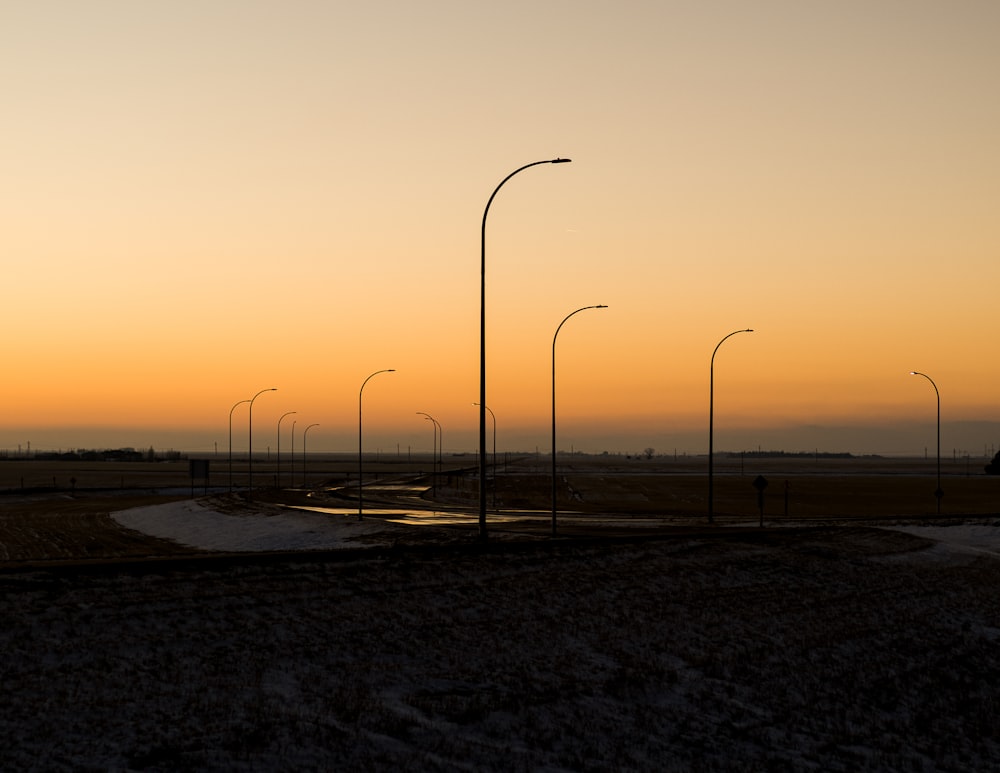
(482, 345)
(294, 422)
(440, 430)
(231, 442)
(939, 493)
(360, 471)
(250, 440)
(493, 416)
(711, 422)
(278, 476)
(440, 441)
(554, 337)
(304, 433)
(434, 453)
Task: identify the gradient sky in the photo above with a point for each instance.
(200, 200)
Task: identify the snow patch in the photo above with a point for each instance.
(965, 538)
(191, 523)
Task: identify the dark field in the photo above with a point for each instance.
(826, 641)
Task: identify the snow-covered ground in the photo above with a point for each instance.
(196, 524)
(980, 537)
(839, 649)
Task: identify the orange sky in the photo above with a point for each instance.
(199, 202)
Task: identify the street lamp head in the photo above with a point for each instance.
(600, 306)
(560, 160)
(748, 330)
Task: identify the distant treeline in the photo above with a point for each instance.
(96, 455)
(799, 454)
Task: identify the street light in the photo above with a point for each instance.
(440, 462)
(304, 433)
(434, 453)
(939, 493)
(711, 421)
(250, 440)
(294, 422)
(440, 440)
(278, 476)
(493, 416)
(482, 345)
(360, 475)
(554, 337)
(231, 442)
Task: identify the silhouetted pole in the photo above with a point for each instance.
(440, 429)
(434, 457)
(482, 345)
(250, 439)
(438, 462)
(278, 476)
(294, 422)
(711, 422)
(304, 433)
(440, 446)
(231, 442)
(554, 337)
(360, 470)
(939, 493)
(493, 416)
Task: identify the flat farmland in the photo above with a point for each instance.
(62, 510)
(797, 488)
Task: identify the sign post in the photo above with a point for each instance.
(198, 469)
(760, 483)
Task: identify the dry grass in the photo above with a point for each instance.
(64, 528)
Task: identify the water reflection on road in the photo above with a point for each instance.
(415, 517)
(412, 509)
